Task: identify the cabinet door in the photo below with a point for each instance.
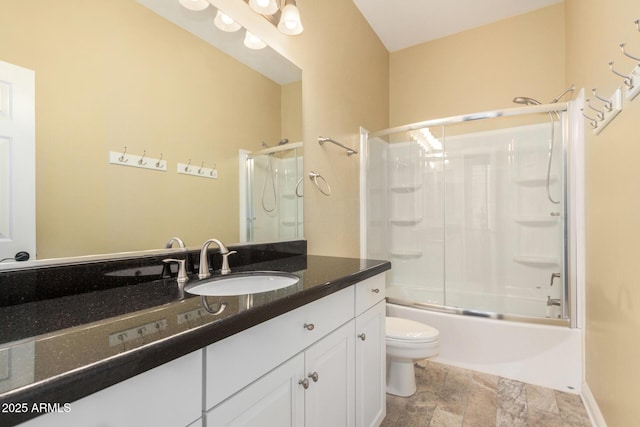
(370, 367)
(169, 395)
(276, 399)
(329, 368)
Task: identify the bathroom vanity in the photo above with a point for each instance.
(310, 354)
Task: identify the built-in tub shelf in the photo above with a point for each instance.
(530, 181)
(539, 220)
(405, 221)
(405, 188)
(537, 260)
(405, 253)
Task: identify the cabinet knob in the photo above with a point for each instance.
(362, 336)
(304, 383)
(375, 291)
(314, 376)
(309, 326)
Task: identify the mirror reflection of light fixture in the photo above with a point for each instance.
(290, 23)
(253, 42)
(194, 4)
(264, 7)
(225, 23)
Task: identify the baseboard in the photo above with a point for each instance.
(590, 404)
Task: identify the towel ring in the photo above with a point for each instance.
(314, 177)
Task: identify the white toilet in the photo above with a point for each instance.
(407, 342)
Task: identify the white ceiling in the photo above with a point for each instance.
(405, 23)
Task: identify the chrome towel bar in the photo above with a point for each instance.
(322, 140)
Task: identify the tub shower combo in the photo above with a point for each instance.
(475, 212)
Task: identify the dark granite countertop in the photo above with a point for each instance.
(63, 348)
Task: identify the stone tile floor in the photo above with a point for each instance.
(448, 396)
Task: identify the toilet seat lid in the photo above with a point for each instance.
(409, 330)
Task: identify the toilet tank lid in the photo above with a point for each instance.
(405, 329)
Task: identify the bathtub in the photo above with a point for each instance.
(549, 356)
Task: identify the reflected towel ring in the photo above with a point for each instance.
(314, 177)
(298, 188)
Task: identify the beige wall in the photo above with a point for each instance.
(291, 116)
(345, 86)
(480, 69)
(594, 30)
(114, 74)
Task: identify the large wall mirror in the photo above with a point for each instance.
(143, 75)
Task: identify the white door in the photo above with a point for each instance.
(330, 398)
(17, 161)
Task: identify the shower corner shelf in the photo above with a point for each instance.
(531, 181)
(405, 253)
(405, 221)
(405, 188)
(537, 261)
(539, 220)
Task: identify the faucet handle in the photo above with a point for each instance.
(225, 262)
(182, 270)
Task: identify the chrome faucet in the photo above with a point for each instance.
(173, 240)
(182, 273)
(203, 269)
(553, 301)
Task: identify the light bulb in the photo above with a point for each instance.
(194, 4)
(264, 7)
(290, 20)
(225, 22)
(253, 42)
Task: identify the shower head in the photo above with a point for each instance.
(525, 100)
(283, 141)
(569, 89)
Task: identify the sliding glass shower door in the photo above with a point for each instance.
(472, 214)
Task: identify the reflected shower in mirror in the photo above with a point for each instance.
(273, 193)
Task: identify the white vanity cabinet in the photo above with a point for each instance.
(314, 388)
(320, 365)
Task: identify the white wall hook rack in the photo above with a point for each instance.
(201, 171)
(634, 90)
(137, 161)
(608, 114)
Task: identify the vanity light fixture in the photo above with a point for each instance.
(253, 42)
(225, 23)
(264, 7)
(194, 4)
(290, 23)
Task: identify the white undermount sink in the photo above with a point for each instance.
(242, 283)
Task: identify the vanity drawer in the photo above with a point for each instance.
(369, 292)
(242, 358)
